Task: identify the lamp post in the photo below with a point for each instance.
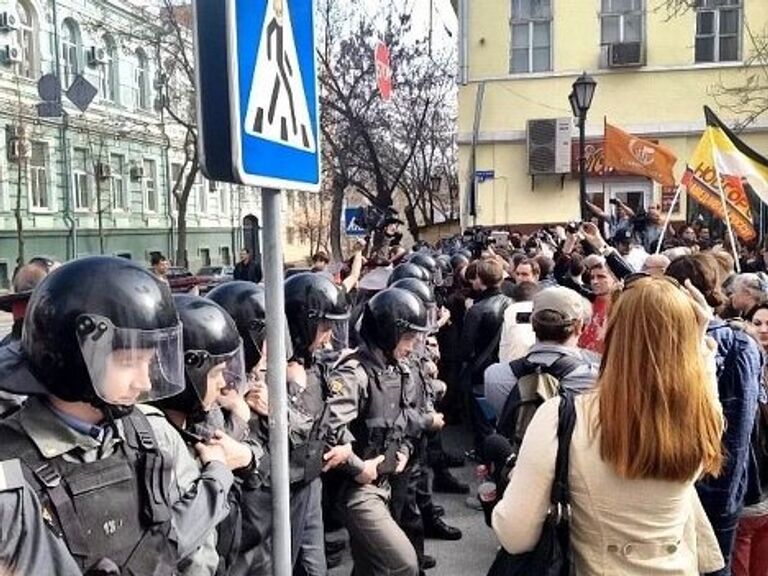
(580, 99)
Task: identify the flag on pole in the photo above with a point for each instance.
(721, 152)
(634, 155)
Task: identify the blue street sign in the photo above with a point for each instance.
(352, 219)
(257, 92)
(483, 175)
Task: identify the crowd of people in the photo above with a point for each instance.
(135, 423)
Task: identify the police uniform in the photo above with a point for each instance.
(101, 514)
(367, 405)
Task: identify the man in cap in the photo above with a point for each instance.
(558, 319)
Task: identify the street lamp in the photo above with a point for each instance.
(581, 99)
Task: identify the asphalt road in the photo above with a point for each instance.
(474, 553)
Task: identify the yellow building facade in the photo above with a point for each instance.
(654, 71)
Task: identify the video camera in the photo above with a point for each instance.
(477, 239)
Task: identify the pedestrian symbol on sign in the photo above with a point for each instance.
(279, 114)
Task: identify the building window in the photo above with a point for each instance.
(140, 81)
(621, 21)
(81, 181)
(150, 185)
(117, 182)
(202, 195)
(531, 36)
(38, 176)
(26, 37)
(718, 30)
(205, 256)
(70, 50)
(226, 260)
(108, 78)
(176, 173)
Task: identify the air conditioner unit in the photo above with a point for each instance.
(96, 56)
(103, 171)
(137, 173)
(8, 22)
(10, 54)
(625, 55)
(549, 146)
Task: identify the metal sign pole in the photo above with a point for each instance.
(276, 378)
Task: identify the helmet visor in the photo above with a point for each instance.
(339, 332)
(129, 366)
(210, 374)
(432, 314)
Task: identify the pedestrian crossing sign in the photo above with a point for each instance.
(353, 219)
(270, 91)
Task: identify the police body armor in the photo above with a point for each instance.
(380, 429)
(310, 414)
(116, 508)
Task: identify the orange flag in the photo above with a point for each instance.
(627, 153)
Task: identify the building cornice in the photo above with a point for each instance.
(656, 130)
(612, 72)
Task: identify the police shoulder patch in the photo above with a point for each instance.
(336, 386)
(11, 475)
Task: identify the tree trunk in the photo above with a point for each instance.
(181, 224)
(19, 220)
(413, 225)
(336, 208)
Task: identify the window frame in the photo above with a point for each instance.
(33, 176)
(71, 50)
(531, 24)
(115, 177)
(716, 36)
(641, 12)
(78, 175)
(27, 38)
(149, 166)
(109, 75)
(141, 81)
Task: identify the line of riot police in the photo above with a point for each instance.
(141, 443)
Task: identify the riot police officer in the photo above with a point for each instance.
(244, 302)
(368, 406)
(215, 379)
(316, 311)
(113, 484)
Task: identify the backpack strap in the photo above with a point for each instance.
(140, 438)
(559, 369)
(560, 497)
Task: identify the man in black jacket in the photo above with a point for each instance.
(480, 340)
(247, 269)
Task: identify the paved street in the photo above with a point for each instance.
(473, 554)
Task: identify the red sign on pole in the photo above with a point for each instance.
(383, 71)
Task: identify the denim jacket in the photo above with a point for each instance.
(739, 367)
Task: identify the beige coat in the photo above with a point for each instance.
(619, 527)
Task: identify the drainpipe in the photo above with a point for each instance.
(69, 219)
(463, 42)
(472, 180)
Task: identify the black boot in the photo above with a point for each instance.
(447, 483)
(427, 562)
(436, 529)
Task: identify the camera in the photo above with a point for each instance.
(613, 202)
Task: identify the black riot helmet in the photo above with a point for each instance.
(391, 314)
(430, 265)
(311, 300)
(104, 330)
(244, 302)
(459, 260)
(213, 354)
(425, 293)
(408, 270)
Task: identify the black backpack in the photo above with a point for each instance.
(536, 383)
